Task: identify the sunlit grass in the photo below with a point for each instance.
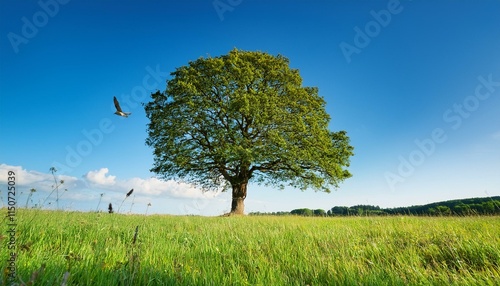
(97, 249)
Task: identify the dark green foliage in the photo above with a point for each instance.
(225, 121)
(302, 212)
(319, 212)
(245, 111)
(474, 206)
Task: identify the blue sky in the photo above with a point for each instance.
(416, 84)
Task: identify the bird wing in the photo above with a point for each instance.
(117, 105)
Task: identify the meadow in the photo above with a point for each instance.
(75, 248)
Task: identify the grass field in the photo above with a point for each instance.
(98, 249)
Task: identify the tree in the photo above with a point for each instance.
(302, 212)
(488, 207)
(224, 121)
(462, 209)
(443, 210)
(319, 212)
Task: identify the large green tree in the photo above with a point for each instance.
(245, 116)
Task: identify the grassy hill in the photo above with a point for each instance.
(73, 248)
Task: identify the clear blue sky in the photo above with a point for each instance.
(416, 84)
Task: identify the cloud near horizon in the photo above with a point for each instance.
(150, 186)
(99, 178)
(34, 179)
(102, 180)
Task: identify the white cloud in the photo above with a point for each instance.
(85, 192)
(99, 178)
(154, 186)
(34, 179)
(89, 187)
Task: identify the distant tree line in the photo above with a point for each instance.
(463, 207)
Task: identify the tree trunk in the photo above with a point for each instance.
(239, 195)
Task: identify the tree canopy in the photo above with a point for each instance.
(223, 121)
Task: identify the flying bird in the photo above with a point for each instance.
(119, 109)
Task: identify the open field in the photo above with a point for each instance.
(98, 249)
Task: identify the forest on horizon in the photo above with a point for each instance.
(461, 207)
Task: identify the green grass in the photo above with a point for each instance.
(97, 249)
